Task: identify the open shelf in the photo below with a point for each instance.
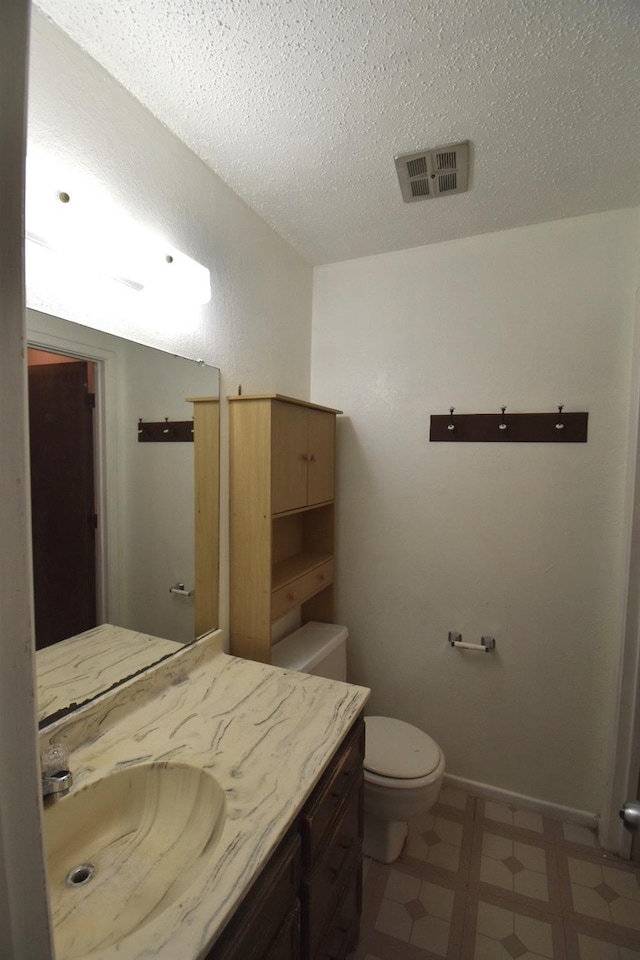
(297, 566)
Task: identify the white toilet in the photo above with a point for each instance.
(403, 767)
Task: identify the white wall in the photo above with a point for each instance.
(520, 541)
(257, 327)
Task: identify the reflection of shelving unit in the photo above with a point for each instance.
(282, 487)
(206, 414)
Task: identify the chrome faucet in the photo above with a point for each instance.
(57, 784)
(57, 779)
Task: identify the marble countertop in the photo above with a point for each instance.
(83, 666)
(264, 733)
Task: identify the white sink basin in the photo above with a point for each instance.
(123, 849)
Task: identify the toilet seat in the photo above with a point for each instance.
(399, 754)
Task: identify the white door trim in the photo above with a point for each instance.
(625, 760)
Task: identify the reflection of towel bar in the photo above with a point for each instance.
(179, 590)
(486, 645)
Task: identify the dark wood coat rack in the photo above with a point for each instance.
(165, 431)
(506, 427)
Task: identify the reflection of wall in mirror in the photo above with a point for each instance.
(156, 495)
(147, 526)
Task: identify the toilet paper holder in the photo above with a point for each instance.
(486, 645)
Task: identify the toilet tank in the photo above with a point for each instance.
(317, 648)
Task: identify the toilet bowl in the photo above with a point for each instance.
(403, 766)
(403, 771)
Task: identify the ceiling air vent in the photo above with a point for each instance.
(434, 173)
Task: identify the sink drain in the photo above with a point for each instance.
(80, 875)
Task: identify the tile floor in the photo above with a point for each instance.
(480, 880)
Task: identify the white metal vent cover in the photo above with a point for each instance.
(434, 173)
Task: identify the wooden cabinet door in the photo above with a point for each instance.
(321, 452)
(289, 457)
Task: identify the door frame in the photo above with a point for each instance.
(624, 770)
(105, 453)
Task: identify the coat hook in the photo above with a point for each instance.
(560, 424)
(503, 425)
(166, 429)
(451, 426)
(139, 425)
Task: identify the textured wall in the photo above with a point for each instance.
(257, 326)
(520, 541)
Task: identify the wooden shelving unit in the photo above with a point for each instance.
(282, 488)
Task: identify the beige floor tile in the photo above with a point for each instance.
(592, 949)
(576, 833)
(486, 949)
(452, 797)
(494, 922)
(502, 932)
(401, 887)
(531, 884)
(497, 847)
(625, 884)
(416, 912)
(626, 913)
(536, 935)
(394, 920)
(627, 954)
(437, 900)
(533, 858)
(528, 820)
(494, 872)
(435, 840)
(431, 933)
(445, 856)
(585, 873)
(514, 816)
(449, 831)
(587, 902)
(500, 812)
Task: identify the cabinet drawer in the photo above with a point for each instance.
(299, 590)
(331, 792)
(321, 892)
(342, 935)
(257, 921)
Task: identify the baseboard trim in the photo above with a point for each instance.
(555, 810)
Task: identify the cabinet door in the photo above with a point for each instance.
(321, 453)
(259, 920)
(289, 456)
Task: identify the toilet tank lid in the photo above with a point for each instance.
(303, 649)
(397, 749)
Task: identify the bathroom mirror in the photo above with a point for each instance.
(125, 513)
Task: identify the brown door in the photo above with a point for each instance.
(62, 500)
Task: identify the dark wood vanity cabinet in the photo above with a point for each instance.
(332, 828)
(267, 925)
(306, 903)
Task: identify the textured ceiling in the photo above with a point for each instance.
(301, 105)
